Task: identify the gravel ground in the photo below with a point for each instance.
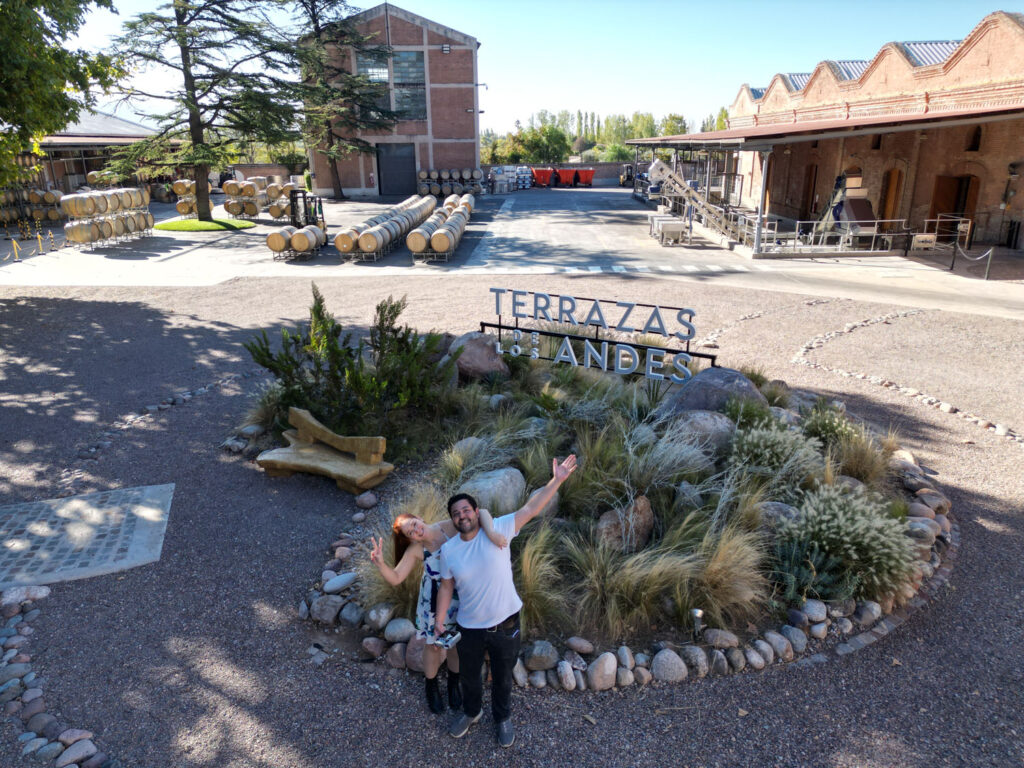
(199, 660)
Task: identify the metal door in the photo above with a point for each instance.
(396, 169)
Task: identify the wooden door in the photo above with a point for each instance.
(889, 202)
(810, 182)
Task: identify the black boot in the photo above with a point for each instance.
(434, 700)
(454, 691)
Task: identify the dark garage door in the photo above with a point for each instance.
(396, 164)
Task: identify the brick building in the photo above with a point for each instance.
(925, 128)
(431, 77)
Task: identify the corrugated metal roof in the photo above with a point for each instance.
(102, 124)
(926, 52)
(757, 93)
(849, 69)
(797, 81)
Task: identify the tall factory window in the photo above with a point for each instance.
(375, 68)
(410, 85)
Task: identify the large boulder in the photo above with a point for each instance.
(478, 358)
(500, 491)
(601, 674)
(325, 609)
(711, 429)
(709, 390)
(627, 530)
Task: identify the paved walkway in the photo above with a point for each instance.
(197, 660)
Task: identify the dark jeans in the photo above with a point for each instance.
(503, 647)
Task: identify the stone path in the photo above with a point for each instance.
(44, 542)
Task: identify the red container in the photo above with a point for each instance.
(586, 176)
(542, 176)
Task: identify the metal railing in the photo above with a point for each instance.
(864, 236)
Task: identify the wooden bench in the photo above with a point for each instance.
(314, 449)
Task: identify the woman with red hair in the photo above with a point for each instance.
(414, 540)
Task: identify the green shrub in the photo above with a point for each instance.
(827, 425)
(801, 570)
(857, 530)
(539, 580)
(388, 385)
(756, 375)
(861, 456)
(784, 462)
(749, 413)
(776, 393)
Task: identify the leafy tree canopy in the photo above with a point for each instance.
(44, 85)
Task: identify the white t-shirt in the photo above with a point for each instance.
(483, 576)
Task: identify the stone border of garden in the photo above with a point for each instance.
(815, 632)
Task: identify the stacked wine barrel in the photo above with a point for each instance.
(14, 205)
(106, 215)
(297, 243)
(279, 197)
(246, 198)
(453, 181)
(379, 234)
(185, 189)
(439, 236)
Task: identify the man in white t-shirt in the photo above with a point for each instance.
(488, 603)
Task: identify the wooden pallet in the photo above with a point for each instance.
(356, 464)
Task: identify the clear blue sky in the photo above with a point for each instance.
(651, 56)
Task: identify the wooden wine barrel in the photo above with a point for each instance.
(446, 189)
(180, 186)
(273, 191)
(288, 188)
(140, 222)
(276, 211)
(106, 229)
(478, 189)
(469, 201)
(184, 207)
(69, 204)
(373, 239)
(51, 196)
(445, 174)
(467, 174)
(38, 213)
(150, 221)
(304, 240)
(92, 177)
(457, 189)
(233, 207)
(125, 197)
(35, 196)
(118, 224)
(136, 196)
(129, 222)
(251, 208)
(434, 174)
(231, 187)
(281, 240)
(249, 189)
(423, 175)
(146, 196)
(443, 240)
(423, 189)
(435, 189)
(53, 214)
(478, 174)
(88, 205)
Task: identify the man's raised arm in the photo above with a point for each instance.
(559, 474)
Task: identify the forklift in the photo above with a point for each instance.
(626, 177)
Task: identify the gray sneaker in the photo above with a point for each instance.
(506, 734)
(460, 724)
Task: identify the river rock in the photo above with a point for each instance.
(478, 358)
(695, 659)
(642, 676)
(575, 660)
(819, 631)
(325, 609)
(720, 638)
(624, 677)
(76, 753)
(340, 582)
(538, 679)
(39, 721)
(797, 618)
(15, 595)
(668, 667)
(32, 745)
(581, 680)
(796, 638)
(837, 609)
(396, 656)
(851, 484)
(844, 626)
(718, 662)
(469, 446)
(601, 673)
(352, 614)
(50, 752)
(71, 735)
(399, 630)
(625, 657)
(499, 490)
(944, 524)
(815, 610)
(580, 645)
(374, 647)
(519, 674)
(642, 660)
(366, 500)
(867, 613)
(541, 655)
(775, 512)
(414, 653)
(566, 678)
(379, 615)
(782, 647)
(737, 661)
(764, 650)
(935, 501)
(917, 509)
(710, 429)
(12, 671)
(629, 529)
(754, 659)
(709, 390)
